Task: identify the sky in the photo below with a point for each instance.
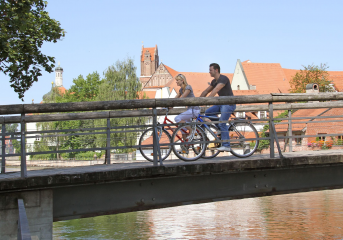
(190, 34)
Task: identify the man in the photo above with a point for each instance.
(220, 85)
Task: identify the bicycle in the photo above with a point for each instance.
(243, 138)
(164, 138)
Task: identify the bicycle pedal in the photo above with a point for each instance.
(211, 145)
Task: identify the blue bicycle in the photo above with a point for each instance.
(204, 139)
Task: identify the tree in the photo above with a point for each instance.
(311, 74)
(11, 129)
(120, 83)
(265, 144)
(25, 26)
(83, 90)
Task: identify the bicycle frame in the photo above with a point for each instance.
(199, 119)
(166, 120)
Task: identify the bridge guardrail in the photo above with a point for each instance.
(99, 110)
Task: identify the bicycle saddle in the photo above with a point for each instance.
(213, 118)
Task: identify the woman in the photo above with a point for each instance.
(185, 91)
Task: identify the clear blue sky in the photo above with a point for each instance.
(189, 36)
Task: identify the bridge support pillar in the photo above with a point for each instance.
(38, 206)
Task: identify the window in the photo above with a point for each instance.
(298, 140)
(241, 114)
(321, 138)
(263, 114)
(339, 140)
(238, 88)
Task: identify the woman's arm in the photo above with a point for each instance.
(185, 93)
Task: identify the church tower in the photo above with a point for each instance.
(149, 62)
(58, 76)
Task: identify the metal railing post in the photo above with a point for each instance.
(23, 147)
(290, 140)
(271, 132)
(156, 149)
(23, 224)
(3, 148)
(108, 143)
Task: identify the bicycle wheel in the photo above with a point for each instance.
(189, 151)
(147, 139)
(211, 148)
(239, 132)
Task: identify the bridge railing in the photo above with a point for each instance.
(146, 108)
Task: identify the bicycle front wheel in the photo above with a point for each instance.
(211, 148)
(191, 148)
(240, 133)
(146, 142)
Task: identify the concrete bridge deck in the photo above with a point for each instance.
(68, 193)
(50, 178)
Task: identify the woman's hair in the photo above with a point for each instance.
(182, 77)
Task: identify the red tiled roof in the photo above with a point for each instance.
(62, 90)
(151, 51)
(337, 78)
(171, 71)
(299, 113)
(267, 77)
(290, 73)
(198, 81)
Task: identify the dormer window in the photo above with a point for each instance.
(263, 114)
(241, 114)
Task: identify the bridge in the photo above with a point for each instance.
(60, 194)
(34, 199)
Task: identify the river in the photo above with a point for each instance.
(310, 215)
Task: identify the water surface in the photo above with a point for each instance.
(311, 215)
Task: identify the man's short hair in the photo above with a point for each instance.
(215, 66)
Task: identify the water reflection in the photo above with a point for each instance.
(312, 215)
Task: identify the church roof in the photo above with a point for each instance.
(151, 51)
(170, 70)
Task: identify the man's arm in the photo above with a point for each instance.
(217, 89)
(206, 91)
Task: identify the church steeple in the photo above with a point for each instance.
(59, 76)
(149, 61)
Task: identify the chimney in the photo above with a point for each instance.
(312, 88)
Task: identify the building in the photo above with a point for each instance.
(248, 78)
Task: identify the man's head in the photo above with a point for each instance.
(214, 69)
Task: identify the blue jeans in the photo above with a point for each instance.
(225, 112)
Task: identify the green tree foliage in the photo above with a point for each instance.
(120, 83)
(47, 143)
(83, 90)
(311, 74)
(265, 144)
(11, 130)
(25, 26)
